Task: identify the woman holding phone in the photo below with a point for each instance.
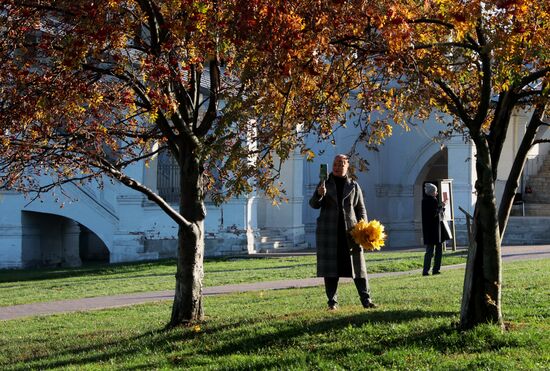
(340, 200)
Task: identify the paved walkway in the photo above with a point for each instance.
(63, 306)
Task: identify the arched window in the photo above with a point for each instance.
(168, 177)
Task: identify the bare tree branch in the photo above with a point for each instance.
(151, 195)
(460, 109)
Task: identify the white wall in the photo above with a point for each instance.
(391, 185)
(130, 225)
(10, 231)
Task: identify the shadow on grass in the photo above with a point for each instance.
(255, 336)
(100, 269)
(413, 256)
(259, 268)
(97, 271)
(290, 330)
(91, 270)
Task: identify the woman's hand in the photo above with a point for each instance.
(322, 190)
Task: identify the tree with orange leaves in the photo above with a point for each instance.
(472, 63)
(90, 87)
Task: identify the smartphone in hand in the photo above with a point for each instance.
(323, 172)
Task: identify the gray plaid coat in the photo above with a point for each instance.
(327, 225)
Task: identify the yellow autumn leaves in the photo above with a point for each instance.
(369, 235)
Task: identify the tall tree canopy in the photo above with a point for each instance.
(472, 64)
(228, 87)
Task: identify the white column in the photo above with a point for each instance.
(251, 216)
(287, 216)
(461, 169)
(71, 244)
(150, 171)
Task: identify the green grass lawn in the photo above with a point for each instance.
(37, 285)
(414, 328)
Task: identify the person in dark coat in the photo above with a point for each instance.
(431, 229)
(341, 202)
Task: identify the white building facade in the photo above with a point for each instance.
(117, 224)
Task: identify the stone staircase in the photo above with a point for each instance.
(537, 203)
(534, 227)
(527, 230)
(273, 240)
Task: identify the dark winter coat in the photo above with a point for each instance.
(327, 227)
(431, 229)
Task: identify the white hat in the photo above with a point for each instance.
(430, 189)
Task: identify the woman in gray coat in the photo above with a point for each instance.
(341, 202)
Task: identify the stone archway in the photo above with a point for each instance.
(435, 168)
(50, 240)
(91, 248)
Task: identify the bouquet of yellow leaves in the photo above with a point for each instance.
(370, 236)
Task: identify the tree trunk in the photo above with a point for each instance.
(188, 306)
(484, 304)
(512, 182)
